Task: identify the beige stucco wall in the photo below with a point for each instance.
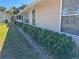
(47, 14)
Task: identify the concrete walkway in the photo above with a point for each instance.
(17, 47)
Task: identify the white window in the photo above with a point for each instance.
(26, 18)
(70, 17)
(33, 17)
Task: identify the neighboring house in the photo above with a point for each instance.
(57, 15)
(3, 15)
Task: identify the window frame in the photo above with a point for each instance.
(33, 17)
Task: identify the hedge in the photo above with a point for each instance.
(57, 44)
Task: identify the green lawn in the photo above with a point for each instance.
(17, 47)
(3, 33)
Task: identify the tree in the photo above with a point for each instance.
(12, 11)
(15, 10)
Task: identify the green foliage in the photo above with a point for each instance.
(19, 24)
(57, 44)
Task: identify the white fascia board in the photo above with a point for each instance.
(29, 6)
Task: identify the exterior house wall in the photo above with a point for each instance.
(3, 16)
(47, 15)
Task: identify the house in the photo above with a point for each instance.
(57, 15)
(3, 15)
(43, 13)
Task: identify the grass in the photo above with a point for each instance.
(3, 33)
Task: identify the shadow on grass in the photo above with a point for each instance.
(17, 47)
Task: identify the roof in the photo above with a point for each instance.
(2, 8)
(30, 5)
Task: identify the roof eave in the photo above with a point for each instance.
(29, 6)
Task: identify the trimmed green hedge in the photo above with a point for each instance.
(57, 44)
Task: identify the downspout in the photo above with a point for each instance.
(61, 3)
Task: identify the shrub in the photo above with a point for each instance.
(18, 23)
(57, 44)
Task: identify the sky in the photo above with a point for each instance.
(9, 3)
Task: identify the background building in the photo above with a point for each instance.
(3, 15)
